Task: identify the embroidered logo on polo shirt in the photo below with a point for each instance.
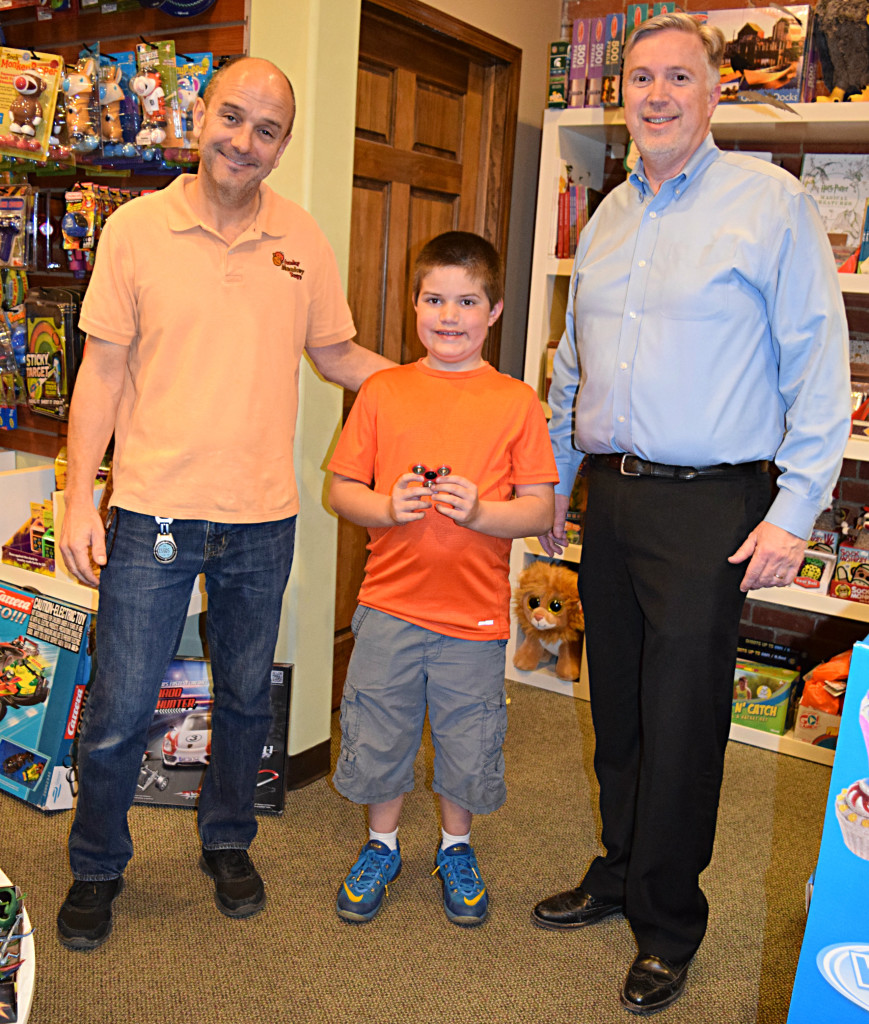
(293, 268)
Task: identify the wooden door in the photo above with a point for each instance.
(435, 130)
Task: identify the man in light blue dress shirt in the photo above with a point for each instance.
(705, 338)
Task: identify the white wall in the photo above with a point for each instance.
(530, 27)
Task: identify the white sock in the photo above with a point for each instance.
(389, 839)
(449, 840)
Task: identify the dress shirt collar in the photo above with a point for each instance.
(699, 160)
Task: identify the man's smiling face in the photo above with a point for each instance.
(668, 100)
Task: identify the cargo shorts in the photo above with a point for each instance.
(396, 671)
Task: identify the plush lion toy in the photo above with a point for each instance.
(547, 609)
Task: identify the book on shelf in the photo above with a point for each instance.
(863, 254)
(614, 41)
(578, 75)
(839, 183)
(596, 55)
(635, 16)
(559, 66)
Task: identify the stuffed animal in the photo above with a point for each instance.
(547, 609)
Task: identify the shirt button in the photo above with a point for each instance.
(653, 215)
(633, 316)
(623, 366)
(642, 263)
(621, 419)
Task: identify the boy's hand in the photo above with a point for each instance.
(462, 497)
(409, 499)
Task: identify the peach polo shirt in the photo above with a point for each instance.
(207, 416)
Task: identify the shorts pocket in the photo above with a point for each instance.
(495, 709)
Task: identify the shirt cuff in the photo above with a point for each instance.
(792, 513)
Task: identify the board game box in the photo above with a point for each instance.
(45, 665)
(179, 739)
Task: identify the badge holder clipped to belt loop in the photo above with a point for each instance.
(165, 548)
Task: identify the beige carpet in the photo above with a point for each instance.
(173, 959)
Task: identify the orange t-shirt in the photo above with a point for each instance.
(205, 424)
(487, 427)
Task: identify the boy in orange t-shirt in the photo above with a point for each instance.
(445, 461)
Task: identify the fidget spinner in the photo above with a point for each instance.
(430, 475)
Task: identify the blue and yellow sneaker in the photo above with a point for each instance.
(361, 894)
(465, 900)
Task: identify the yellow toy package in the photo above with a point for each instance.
(29, 83)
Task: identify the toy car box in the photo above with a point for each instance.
(179, 739)
(45, 667)
(761, 695)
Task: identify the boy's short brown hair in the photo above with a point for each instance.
(464, 249)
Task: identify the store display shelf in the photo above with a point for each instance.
(67, 590)
(570, 554)
(27, 971)
(786, 744)
(752, 122)
(858, 446)
(820, 604)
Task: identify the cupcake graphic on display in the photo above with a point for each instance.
(852, 804)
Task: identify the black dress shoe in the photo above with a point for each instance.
(653, 983)
(572, 909)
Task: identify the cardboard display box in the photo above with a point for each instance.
(45, 667)
(179, 739)
(761, 695)
(819, 728)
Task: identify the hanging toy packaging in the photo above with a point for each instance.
(16, 234)
(120, 117)
(29, 84)
(155, 83)
(81, 95)
(194, 74)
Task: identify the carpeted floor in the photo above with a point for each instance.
(173, 959)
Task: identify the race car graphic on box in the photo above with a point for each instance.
(44, 670)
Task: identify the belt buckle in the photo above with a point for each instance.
(622, 469)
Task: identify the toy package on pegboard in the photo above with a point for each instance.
(29, 84)
(179, 739)
(45, 667)
(54, 349)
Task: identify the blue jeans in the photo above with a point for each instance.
(143, 606)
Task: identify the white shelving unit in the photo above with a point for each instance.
(583, 139)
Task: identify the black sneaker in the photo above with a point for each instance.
(238, 888)
(85, 919)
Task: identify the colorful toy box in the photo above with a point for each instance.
(32, 546)
(45, 667)
(851, 577)
(179, 739)
(819, 728)
(761, 695)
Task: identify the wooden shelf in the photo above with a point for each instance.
(786, 744)
(806, 600)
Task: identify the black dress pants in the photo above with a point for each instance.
(662, 607)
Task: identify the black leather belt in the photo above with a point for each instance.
(633, 465)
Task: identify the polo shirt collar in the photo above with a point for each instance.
(182, 216)
(699, 160)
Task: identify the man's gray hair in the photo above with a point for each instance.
(711, 37)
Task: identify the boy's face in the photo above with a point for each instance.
(453, 317)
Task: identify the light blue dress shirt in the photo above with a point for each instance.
(705, 324)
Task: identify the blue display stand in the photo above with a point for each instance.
(832, 980)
